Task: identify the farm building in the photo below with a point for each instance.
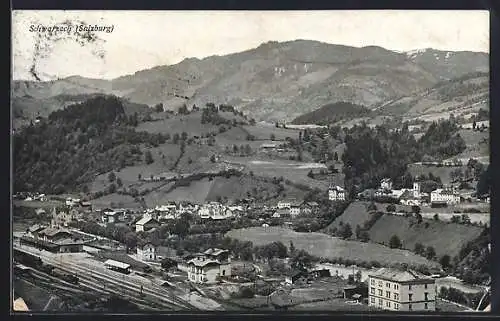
(397, 290)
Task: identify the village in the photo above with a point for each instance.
(221, 277)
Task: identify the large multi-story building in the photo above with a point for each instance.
(445, 196)
(397, 290)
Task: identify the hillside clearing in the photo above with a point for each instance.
(322, 245)
(446, 238)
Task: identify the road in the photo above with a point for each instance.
(100, 277)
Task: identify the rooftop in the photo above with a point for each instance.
(145, 220)
(203, 263)
(399, 275)
(120, 265)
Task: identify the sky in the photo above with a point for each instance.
(145, 39)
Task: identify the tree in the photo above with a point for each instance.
(112, 188)
(301, 260)
(346, 231)
(148, 157)
(364, 236)
(168, 263)
(415, 209)
(310, 174)
(139, 177)
(111, 177)
(391, 208)
(455, 219)
(465, 219)
(176, 138)
(248, 149)
(372, 207)
(119, 182)
(336, 157)
(445, 261)
(430, 253)
(273, 137)
(181, 227)
(395, 242)
(212, 158)
(184, 136)
(159, 108)
(292, 248)
(131, 240)
(419, 218)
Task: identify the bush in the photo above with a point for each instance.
(391, 208)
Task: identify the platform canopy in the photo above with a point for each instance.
(117, 264)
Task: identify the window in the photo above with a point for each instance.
(395, 286)
(396, 296)
(388, 304)
(396, 306)
(372, 281)
(410, 297)
(380, 292)
(388, 294)
(426, 306)
(380, 283)
(410, 307)
(387, 285)
(380, 302)
(372, 300)
(409, 287)
(426, 296)
(425, 286)
(372, 291)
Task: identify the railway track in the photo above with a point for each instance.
(62, 288)
(117, 282)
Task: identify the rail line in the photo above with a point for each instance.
(152, 292)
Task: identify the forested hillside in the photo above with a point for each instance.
(76, 143)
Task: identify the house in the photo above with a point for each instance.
(147, 252)
(62, 217)
(281, 212)
(146, 223)
(408, 198)
(446, 196)
(72, 201)
(208, 266)
(268, 146)
(33, 230)
(40, 211)
(217, 254)
(336, 193)
(294, 276)
(355, 292)
(295, 208)
(285, 203)
(398, 290)
(386, 184)
(110, 217)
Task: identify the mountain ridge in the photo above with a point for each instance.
(276, 80)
